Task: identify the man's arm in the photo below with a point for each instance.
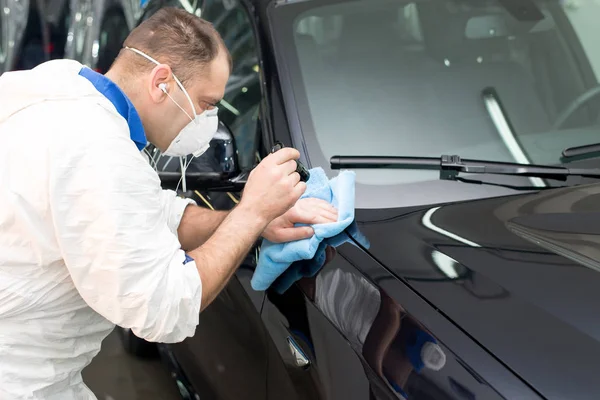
(111, 226)
(219, 257)
(197, 225)
(273, 188)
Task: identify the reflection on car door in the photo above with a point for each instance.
(359, 341)
(328, 317)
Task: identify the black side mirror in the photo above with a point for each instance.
(216, 170)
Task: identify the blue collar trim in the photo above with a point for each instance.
(121, 102)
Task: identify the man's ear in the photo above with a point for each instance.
(161, 79)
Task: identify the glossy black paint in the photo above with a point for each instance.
(357, 349)
(509, 282)
(492, 281)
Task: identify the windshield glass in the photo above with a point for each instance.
(501, 80)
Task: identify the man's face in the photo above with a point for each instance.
(205, 91)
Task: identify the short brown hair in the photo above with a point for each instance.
(175, 37)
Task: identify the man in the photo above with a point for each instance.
(87, 237)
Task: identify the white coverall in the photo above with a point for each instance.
(88, 238)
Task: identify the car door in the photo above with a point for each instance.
(323, 328)
(355, 331)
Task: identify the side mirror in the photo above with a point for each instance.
(216, 170)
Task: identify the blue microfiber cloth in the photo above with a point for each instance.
(309, 268)
(276, 258)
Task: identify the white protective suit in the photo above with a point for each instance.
(87, 236)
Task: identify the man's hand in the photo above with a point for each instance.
(273, 187)
(306, 211)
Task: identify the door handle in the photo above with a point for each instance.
(300, 357)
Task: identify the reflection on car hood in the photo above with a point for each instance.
(520, 274)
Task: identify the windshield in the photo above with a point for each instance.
(501, 80)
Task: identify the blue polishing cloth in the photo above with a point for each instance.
(309, 268)
(276, 258)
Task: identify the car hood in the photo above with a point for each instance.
(519, 274)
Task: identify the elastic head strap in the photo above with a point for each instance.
(147, 57)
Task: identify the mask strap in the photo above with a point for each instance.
(186, 95)
(147, 57)
(183, 171)
(141, 53)
(177, 104)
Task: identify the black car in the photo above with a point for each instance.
(464, 121)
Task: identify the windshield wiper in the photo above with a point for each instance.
(579, 151)
(451, 166)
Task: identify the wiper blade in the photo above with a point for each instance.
(581, 150)
(451, 166)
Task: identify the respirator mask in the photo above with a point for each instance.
(195, 137)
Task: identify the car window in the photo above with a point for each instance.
(584, 16)
(426, 78)
(240, 106)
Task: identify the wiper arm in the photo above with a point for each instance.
(451, 166)
(579, 151)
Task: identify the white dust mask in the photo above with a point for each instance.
(195, 137)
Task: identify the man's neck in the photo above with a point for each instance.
(116, 76)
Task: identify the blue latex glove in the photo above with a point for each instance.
(276, 258)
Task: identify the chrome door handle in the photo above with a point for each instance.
(299, 356)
